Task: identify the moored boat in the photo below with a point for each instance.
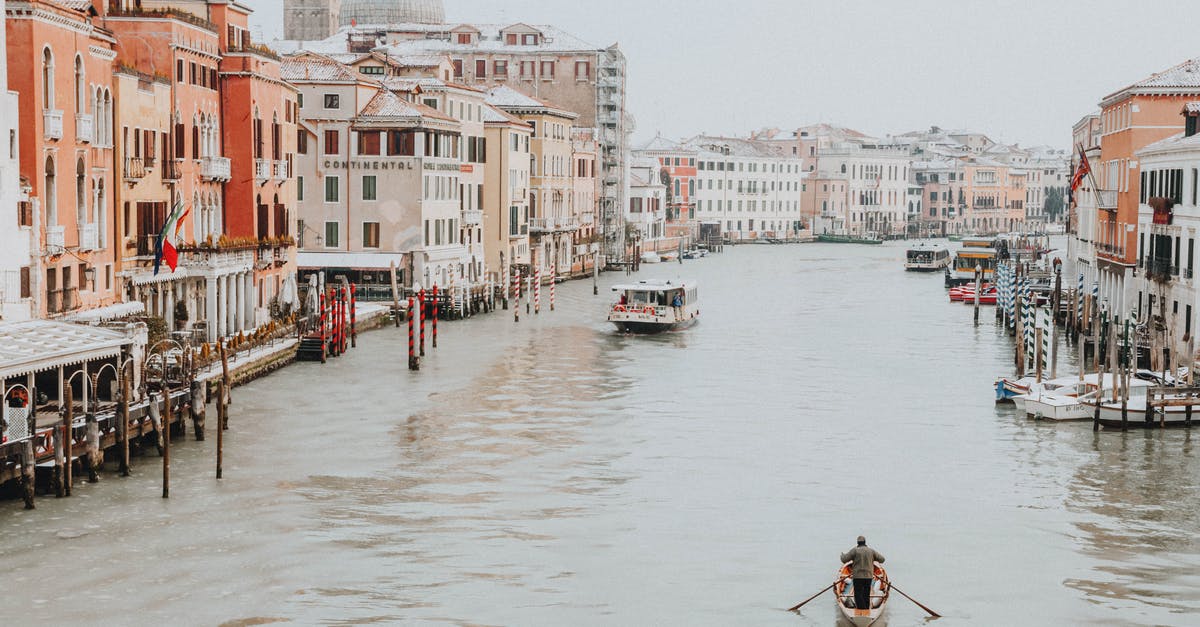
(1068, 398)
(650, 256)
(975, 252)
(844, 593)
(848, 239)
(1008, 387)
(650, 306)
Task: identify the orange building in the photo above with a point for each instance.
(60, 61)
(1132, 118)
(258, 123)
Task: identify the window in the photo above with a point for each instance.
(331, 189)
(368, 143)
(368, 188)
(179, 70)
(371, 70)
(583, 70)
(370, 235)
(527, 69)
(464, 38)
(47, 79)
(510, 39)
(401, 144)
(548, 69)
(333, 101)
(331, 142)
(300, 188)
(458, 68)
(500, 68)
(301, 141)
(529, 40)
(331, 235)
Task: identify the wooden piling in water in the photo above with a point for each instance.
(435, 315)
(220, 430)
(395, 297)
(28, 472)
(228, 397)
(166, 433)
(123, 427)
(94, 454)
(198, 409)
(68, 437)
(353, 316)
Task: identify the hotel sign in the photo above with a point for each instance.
(371, 165)
(445, 167)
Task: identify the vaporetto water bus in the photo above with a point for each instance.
(654, 306)
(926, 258)
(976, 251)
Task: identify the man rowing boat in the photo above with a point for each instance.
(862, 570)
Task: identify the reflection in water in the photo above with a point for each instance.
(557, 472)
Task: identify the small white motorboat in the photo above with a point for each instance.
(1071, 402)
(650, 256)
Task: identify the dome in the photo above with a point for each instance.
(392, 12)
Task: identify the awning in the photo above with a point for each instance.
(111, 312)
(40, 345)
(309, 260)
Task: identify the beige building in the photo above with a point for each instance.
(506, 193)
(552, 224)
(585, 154)
(378, 178)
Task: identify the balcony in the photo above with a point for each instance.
(56, 239)
(62, 301)
(84, 128)
(53, 120)
(540, 225)
(1106, 199)
(88, 237)
(587, 219)
(1160, 269)
(472, 217)
(171, 169)
(135, 169)
(262, 170)
(215, 169)
(282, 171)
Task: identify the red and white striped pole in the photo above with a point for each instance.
(413, 362)
(321, 322)
(537, 290)
(517, 296)
(421, 309)
(553, 280)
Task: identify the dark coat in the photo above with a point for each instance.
(862, 560)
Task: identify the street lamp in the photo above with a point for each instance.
(90, 275)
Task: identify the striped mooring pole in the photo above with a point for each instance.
(553, 277)
(517, 296)
(413, 362)
(537, 290)
(435, 314)
(421, 310)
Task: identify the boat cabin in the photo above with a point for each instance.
(654, 306)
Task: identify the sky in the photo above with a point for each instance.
(1022, 72)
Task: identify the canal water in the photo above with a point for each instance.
(553, 472)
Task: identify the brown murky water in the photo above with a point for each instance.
(552, 472)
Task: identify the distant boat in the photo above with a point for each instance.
(650, 257)
(669, 256)
(844, 591)
(848, 239)
(647, 306)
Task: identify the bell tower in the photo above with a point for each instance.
(310, 20)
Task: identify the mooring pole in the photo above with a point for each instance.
(421, 310)
(435, 314)
(353, 316)
(68, 440)
(413, 364)
(166, 430)
(220, 428)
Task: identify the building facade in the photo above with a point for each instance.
(506, 194)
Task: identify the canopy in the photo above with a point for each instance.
(40, 345)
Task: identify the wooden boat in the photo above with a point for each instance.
(844, 593)
(848, 239)
(646, 306)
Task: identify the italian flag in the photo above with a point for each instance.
(164, 249)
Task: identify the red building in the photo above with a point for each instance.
(60, 61)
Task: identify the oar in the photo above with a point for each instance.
(802, 603)
(931, 612)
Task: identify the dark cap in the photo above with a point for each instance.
(862, 540)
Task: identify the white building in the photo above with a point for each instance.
(877, 186)
(16, 217)
(646, 213)
(379, 179)
(750, 187)
(1168, 229)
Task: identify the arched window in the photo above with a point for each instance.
(201, 212)
(80, 193)
(195, 137)
(843, 168)
(47, 78)
(50, 194)
(107, 124)
(80, 86)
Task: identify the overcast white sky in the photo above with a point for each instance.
(1020, 71)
